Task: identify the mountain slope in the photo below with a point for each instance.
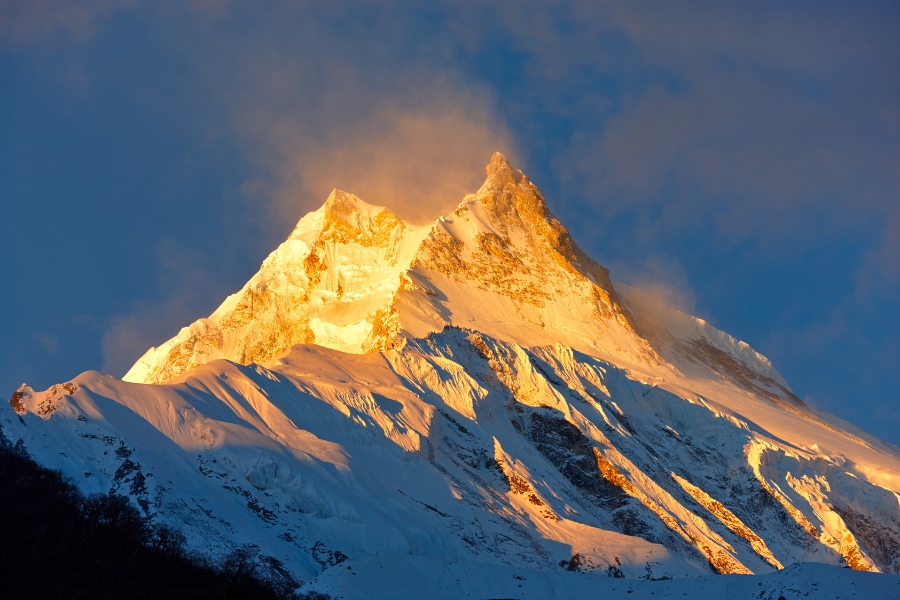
(476, 391)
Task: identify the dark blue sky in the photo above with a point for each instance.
(740, 159)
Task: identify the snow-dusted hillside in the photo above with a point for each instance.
(475, 395)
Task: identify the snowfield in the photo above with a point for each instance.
(474, 410)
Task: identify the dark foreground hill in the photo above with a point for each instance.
(57, 543)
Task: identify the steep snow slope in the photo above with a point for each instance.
(473, 393)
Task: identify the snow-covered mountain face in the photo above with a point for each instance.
(474, 392)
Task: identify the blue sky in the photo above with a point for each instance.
(742, 160)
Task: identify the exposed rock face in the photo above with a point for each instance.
(476, 390)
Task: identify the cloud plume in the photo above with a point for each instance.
(657, 290)
(416, 150)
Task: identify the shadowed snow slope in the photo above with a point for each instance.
(474, 395)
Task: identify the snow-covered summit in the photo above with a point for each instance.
(356, 278)
(501, 263)
(332, 282)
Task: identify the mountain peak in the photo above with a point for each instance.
(501, 170)
(356, 278)
(337, 279)
(511, 199)
(348, 219)
(332, 283)
(341, 202)
(504, 262)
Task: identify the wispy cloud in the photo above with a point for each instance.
(417, 148)
(656, 288)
